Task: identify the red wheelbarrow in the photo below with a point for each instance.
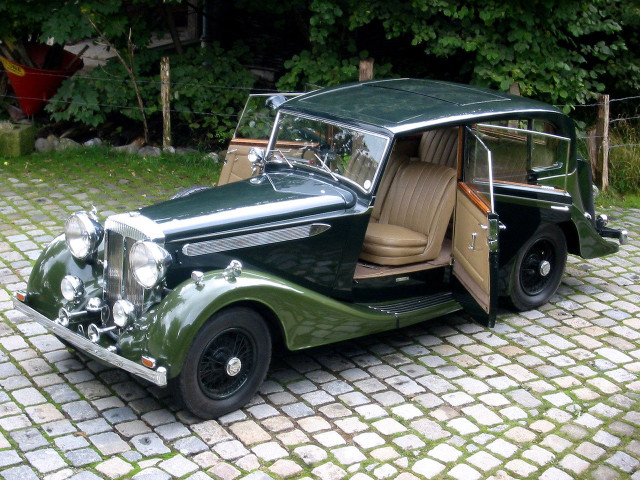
(34, 86)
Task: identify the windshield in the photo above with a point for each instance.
(342, 152)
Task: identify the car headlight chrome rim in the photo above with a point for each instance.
(83, 235)
(149, 263)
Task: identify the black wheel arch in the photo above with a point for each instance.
(278, 336)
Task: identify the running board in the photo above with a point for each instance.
(413, 305)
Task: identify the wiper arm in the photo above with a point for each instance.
(283, 156)
(325, 167)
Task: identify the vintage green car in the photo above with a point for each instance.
(373, 206)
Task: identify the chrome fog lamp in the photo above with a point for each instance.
(72, 288)
(83, 234)
(123, 311)
(149, 262)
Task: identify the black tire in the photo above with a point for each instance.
(226, 363)
(539, 268)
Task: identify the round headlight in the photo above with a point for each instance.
(123, 313)
(149, 262)
(72, 288)
(83, 235)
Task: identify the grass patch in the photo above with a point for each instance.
(102, 165)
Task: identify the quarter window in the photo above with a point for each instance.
(521, 147)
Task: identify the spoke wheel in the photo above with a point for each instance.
(225, 364)
(538, 268)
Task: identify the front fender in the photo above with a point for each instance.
(56, 261)
(306, 318)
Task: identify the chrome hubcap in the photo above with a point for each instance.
(234, 365)
(545, 268)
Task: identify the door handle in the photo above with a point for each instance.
(474, 235)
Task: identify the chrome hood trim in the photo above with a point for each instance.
(135, 225)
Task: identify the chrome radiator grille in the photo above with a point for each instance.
(121, 232)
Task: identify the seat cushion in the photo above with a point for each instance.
(384, 241)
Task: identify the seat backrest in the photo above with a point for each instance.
(440, 147)
(362, 166)
(421, 198)
(391, 169)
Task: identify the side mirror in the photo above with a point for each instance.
(275, 101)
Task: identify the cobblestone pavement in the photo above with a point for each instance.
(551, 394)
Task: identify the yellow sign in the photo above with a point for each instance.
(12, 67)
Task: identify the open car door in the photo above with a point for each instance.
(475, 234)
(253, 130)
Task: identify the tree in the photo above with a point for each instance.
(561, 52)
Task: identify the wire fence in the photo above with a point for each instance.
(176, 86)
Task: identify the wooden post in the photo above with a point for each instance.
(598, 145)
(514, 89)
(366, 70)
(164, 95)
(602, 132)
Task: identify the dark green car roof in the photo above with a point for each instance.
(403, 105)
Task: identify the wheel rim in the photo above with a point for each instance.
(537, 269)
(226, 363)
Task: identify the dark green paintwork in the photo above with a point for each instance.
(245, 204)
(305, 287)
(305, 317)
(53, 264)
(403, 105)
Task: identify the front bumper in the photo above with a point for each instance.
(84, 345)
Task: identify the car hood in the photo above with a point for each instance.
(268, 198)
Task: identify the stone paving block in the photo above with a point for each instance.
(114, 468)
(385, 396)
(46, 460)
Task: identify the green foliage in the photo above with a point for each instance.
(624, 158)
(317, 67)
(209, 87)
(560, 52)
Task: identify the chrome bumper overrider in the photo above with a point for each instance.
(158, 376)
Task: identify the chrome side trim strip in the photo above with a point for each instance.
(157, 377)
(254, 239)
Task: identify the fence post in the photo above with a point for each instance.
(602, 131)
(164, 95)
(366, 70)
(598, 145)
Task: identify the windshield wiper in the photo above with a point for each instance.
(325, 167)
(283, 156)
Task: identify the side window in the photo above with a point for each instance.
(522, 147)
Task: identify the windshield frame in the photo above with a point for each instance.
(387, 138)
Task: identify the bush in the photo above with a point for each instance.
(624, 158)
(208, 89)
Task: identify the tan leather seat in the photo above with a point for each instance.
(414, 215)
(390, 170)
(362, 166)
(440, 147)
